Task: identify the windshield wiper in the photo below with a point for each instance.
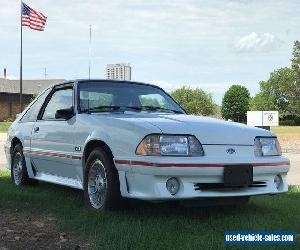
(123, 108)
(153, 108)
(111, 108)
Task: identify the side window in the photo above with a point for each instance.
(33, 111)
(61, 99)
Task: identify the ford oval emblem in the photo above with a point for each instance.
(230, 151)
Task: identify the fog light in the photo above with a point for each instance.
(277, 181)
(172, 185)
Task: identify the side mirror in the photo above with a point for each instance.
(65, 114)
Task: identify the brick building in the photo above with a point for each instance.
(10, 98)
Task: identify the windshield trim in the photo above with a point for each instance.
(79, 82)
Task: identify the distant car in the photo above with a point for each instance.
(118, 139)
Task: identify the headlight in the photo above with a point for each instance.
(172, 145)
(266, 146)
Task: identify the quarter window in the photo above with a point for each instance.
(61, 99)
(32, 113)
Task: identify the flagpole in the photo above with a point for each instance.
(90, 44)
(21, 61)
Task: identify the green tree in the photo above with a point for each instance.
(275, 92)
(235, 103)
(282, 90)
(295, 91)
(195, 101)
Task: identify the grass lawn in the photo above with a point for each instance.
(155, 226)
(4, 126)
(286, 130)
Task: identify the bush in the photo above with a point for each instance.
(9, 119)
(289, 123)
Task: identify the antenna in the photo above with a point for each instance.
(45, 73)
(90, 50)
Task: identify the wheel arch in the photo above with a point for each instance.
(14, 142)
(91, 145)
(114, 193)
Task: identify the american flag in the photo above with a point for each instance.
(32, 18)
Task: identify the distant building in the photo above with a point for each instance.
(10, 97)
(119, 71)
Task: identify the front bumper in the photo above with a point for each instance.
(147, 179)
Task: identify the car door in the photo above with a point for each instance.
(52, 141)
(26, 124)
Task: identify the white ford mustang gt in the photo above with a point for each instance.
(116, 139)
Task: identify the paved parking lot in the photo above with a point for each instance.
(294, 174)
(293, 177)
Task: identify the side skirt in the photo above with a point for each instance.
(65, 181)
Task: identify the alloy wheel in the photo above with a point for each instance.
(97, 184)
(18, 168)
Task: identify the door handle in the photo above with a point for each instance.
(36, 129)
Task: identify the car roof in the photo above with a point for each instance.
(104, 81)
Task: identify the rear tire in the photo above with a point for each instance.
(19, 175)
(101, 181)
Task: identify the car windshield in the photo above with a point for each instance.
(122, 96)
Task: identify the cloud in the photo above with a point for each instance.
(255, 42)
(174, 42)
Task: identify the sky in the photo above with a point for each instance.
(209, 44)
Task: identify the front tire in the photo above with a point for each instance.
(101, 181)
(19, 175)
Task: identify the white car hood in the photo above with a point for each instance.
(207, 130)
